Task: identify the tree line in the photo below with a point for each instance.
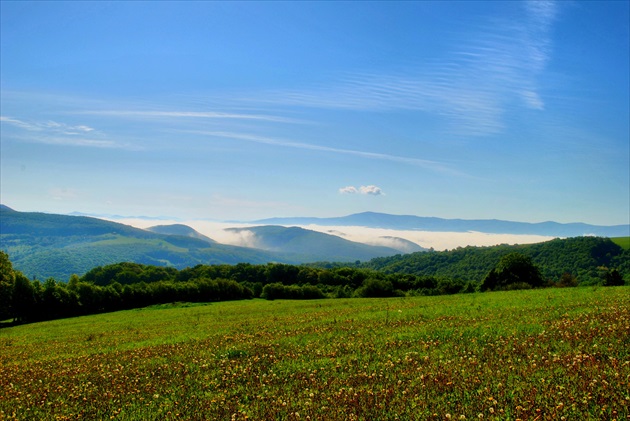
(129, 285)
(588, 259)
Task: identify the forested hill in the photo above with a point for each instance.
(179, 229)
(45, 245)
(582, 257)
(53, 225)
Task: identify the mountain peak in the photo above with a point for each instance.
(179, 229)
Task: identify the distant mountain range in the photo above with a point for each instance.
(47, 245)
(490, 226)
(43, 245)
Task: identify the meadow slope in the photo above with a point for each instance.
(529, 355)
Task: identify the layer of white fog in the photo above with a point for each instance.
(374, 236)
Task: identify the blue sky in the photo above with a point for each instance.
(473, 110)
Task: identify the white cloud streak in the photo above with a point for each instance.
(432, 165)
(472, 89)
(52, 126)
(55, 133)
(188, 114)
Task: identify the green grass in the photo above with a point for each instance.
(543, 354)
(623, 242)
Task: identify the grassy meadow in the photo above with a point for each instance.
(528, 355)
(623, 242)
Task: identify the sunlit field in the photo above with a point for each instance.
(624, 242)
(529, 355)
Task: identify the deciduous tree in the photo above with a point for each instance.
(513, 271)
(7, 282)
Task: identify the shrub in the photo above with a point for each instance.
(374, 287)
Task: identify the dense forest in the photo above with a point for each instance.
(126, 285)
(585, 258)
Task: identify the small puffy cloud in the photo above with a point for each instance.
(371, 190)
(348, 190)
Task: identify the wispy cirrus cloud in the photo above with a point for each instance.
(188, 114)
(432, 165)
(55, 133)
(74, 141)
(472, 88)
(49, 125)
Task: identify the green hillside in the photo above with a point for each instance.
(46, 245)
(623, 242)
(582, 257)
(179, 229)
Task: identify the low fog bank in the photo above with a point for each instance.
(437, 240)
(218, 231)
(374, 236)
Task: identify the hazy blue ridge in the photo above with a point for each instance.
(490, 226)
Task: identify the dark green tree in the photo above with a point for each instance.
(514, 271)
(273, 291)
(73, 282)
(7, 281)
(567, 280)
(374, 287)
(613, 278)
(24, 300)
(58, 300)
